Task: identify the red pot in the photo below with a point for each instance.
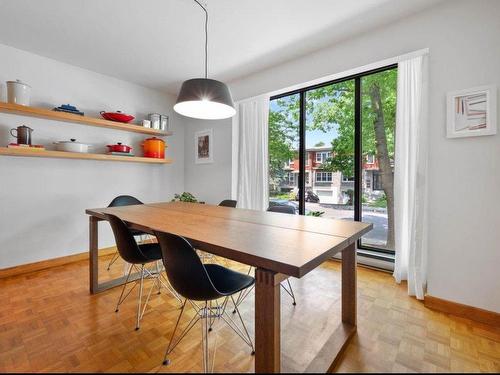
(117, 116)
(119, 148)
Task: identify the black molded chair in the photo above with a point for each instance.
(207, 283)
(124, 200)
(228, 203)
(136, 254)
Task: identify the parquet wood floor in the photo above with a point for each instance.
(50, 322)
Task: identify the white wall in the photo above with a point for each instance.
(464, 40)
(42, 201)
(208, 182)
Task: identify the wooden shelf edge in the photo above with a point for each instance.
(27, 152)
(82, 120)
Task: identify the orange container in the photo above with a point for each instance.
(154, 148)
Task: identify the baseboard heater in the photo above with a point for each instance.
(373, 259)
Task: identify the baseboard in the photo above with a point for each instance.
(463, 311)
(49, 263)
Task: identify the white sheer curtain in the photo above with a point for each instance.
(410, 176)
(250, 153)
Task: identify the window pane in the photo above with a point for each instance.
(284, 150)
(330, 150)
(378, 95)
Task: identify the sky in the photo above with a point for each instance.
(315, 136)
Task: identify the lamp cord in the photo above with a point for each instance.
(206, 37)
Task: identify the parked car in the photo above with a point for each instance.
(283, 202)
(310, 197)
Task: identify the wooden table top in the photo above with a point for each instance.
(289, 244)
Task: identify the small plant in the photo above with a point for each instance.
(185, 197)
(315, 213)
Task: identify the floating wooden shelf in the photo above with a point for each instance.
(32, 152)
(70, 117)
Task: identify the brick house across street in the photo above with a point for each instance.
(331, 187)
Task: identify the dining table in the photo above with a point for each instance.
(277, 245)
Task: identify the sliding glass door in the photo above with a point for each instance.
(331, 152)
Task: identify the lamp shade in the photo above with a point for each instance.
(205, 98)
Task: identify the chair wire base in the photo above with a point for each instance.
(210, 313)
(145, 274)
(115, 257)
(289, 290)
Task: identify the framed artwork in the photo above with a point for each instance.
(471, 112)
(203, 146)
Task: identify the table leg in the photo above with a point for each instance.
(267, 322)
(349, 285)
(93, 254)
(330, 354)
(94, 285)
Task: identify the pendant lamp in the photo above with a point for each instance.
(205, 98)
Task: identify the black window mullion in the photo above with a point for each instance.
(302, 152)
(327, 83)
(357, 149)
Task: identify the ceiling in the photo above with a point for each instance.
(160, 43)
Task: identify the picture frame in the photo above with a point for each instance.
(471, 112)
(203, 147)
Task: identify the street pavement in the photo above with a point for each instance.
(377, 236)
